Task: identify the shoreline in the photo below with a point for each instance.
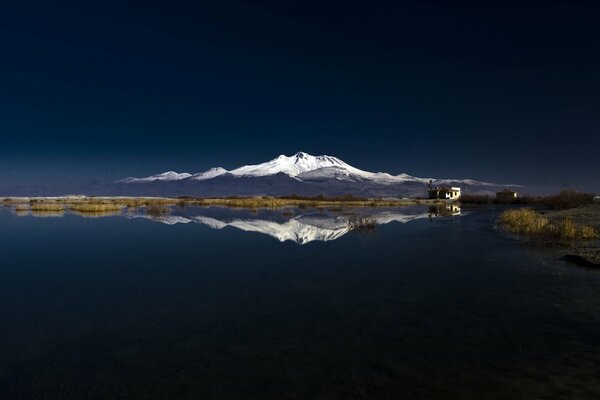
(582, 254)
(236, 202)
(576, 230)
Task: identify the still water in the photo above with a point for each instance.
(215, 303)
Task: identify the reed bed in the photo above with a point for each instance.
(47, 207)
(529, 222)
(137, 202)
(94, 204)
(276, 202)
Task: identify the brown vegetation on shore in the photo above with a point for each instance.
(529, 222)
(306, 202)
(93, 204)
(47, 207)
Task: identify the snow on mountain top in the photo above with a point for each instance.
(295, 165)
(171, 176)
(211, 173)
(165, 176)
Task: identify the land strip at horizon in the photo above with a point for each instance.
(97, 202)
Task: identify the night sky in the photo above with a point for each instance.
(484, 90)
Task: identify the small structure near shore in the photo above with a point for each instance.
(447, 193)
(506, 195)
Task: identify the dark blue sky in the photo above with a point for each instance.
(486, 90)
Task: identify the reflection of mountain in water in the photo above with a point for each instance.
(301, 229)
(165, 219)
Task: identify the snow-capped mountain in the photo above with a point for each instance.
(165, 176)
(298, 164)
(211, 173)
(300, 173)
(301, 165)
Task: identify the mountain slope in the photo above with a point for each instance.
(295, 165)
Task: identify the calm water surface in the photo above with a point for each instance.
(229, 304)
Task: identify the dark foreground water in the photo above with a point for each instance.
(212, 304)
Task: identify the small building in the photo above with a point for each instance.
(597, 199)
(506, 195)
(448, 193)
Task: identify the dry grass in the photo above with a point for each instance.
(47, 207)
(101, 204)
(317, 202)
(588, 232)
(342, 198)
(524, 220)
(136, 202)
(529, 222)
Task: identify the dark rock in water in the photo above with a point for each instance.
(584, 257)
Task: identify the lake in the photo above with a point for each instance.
(218, 303)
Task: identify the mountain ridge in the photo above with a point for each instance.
(300, 165)
(301, 174)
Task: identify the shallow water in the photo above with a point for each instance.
(215, 303)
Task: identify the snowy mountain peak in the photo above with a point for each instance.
(295, 165)
(173, 175)
(211, 173)
(165, 176)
